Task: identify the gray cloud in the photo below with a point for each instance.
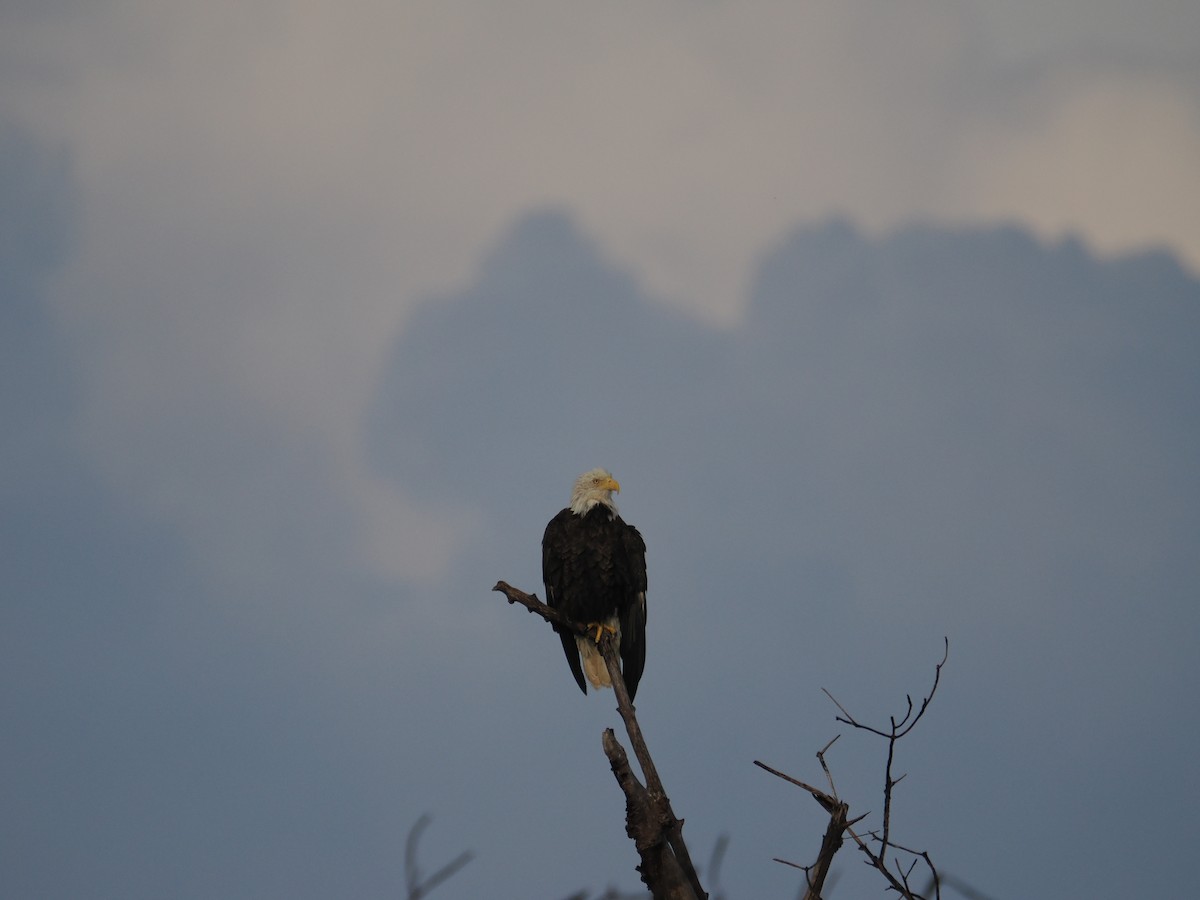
(266, 198)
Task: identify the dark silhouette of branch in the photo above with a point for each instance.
(898, 730)
(418, 888)
(534, 605)
(661, 815)
(831, 842)
(713, 871)
(961, 886)
(838, 810)
(659, 868)
(666, 866)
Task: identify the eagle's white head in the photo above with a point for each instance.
(594, 487)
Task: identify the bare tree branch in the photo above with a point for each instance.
(416, 887)
(713, 872)
(937, 675)
(961, 886)
(831, 842)
(839, 823)
(534, 605)
(659, 867)
(649, 819)
(670, 826)
(898, 730)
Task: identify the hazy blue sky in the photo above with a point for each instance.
(885, 315)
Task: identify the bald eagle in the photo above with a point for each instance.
(594, 567)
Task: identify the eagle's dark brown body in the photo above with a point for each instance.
(594, 567)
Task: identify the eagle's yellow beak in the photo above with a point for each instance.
(611, 485)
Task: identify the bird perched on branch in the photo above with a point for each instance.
(594, 567)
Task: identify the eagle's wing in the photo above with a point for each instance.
(553, 573)
(633, 616)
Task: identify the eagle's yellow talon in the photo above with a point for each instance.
(600, 627)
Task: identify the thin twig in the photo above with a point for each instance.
(787, 862)
(821, 759)
(416, 887)
(820, 795)
(713, 871)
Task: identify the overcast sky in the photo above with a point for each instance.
(311, 312)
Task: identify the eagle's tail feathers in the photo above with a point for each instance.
(593, 662)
